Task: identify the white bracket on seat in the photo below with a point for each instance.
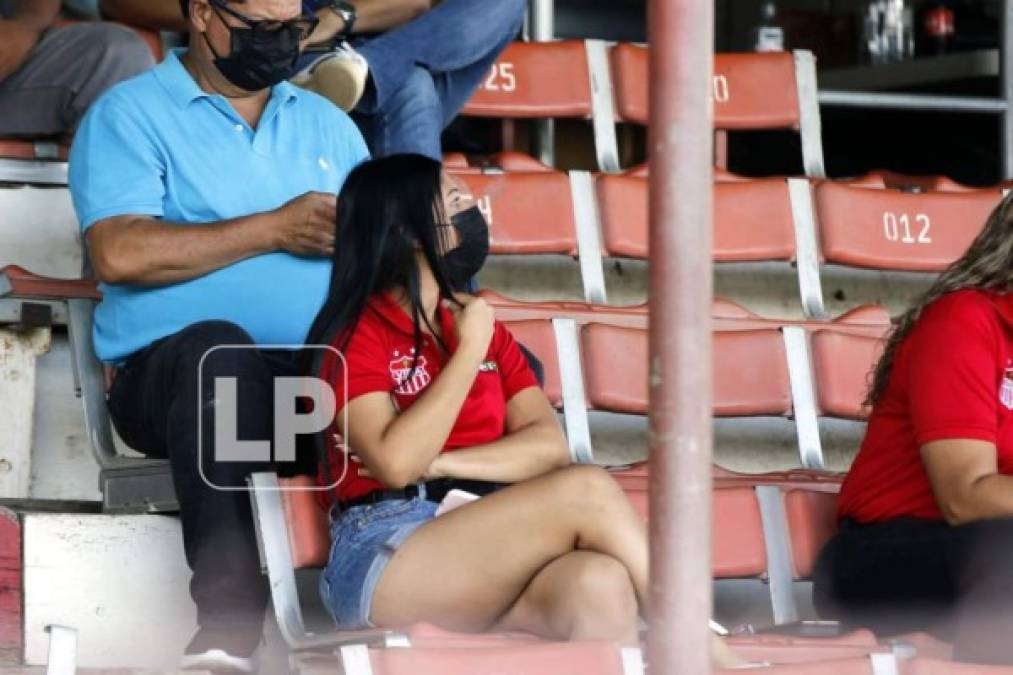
(803, 396)
(603, 113)
(355, 660)
(62, 650)
(780, 577)
(884, 664)
(276, 556)
(807, 258)
(633, 660)
(588, 224)
(810, 126)
(90, 380)
(571, 377)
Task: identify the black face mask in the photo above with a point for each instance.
(258, 59)
(464, 262)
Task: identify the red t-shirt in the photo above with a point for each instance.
(379, 357)
(952, 378)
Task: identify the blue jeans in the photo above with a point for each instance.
(423, 72)
(363, 539)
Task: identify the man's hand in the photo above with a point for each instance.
(16, 42)
(305, 225)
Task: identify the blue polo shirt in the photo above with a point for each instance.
(158, 145)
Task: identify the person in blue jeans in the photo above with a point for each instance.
(404, 70)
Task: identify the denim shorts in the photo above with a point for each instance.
(363, 539)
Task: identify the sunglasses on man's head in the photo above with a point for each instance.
(301, 26)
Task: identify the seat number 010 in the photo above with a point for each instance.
(907, 230)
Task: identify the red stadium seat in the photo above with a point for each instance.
(527, 212)
(590, 658)
(750, 92)
(539, 338)
(536, 80)
(847, 666)
(843, 365)
(892, 230)
(752, 219)
(750, 371)
(927, 666)
(812, 520)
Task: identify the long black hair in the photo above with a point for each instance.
(389, 209)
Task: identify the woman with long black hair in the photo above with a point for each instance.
(439, 396)
(926, 538)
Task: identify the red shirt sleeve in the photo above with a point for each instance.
(513, 366)
(953, 354)
(364, 368)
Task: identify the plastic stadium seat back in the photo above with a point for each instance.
(453, 161)
(752, 219)
(750, 374)
(538, 336)
(750, 371)
(509, 309)
(907, 182)
(738, 546)
(750, 91)
(11, 148)
(622, 205)
(861, 665)
(587, 658)
(535, 80)
(812, 521)
(926, 666)
(528, 213)
(511, 160)
(738, 549)
(308, 535)
(843, 365)
(892, 230)
(787, 649)
(615, 367)
(427, 635)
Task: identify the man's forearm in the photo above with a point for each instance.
(36, 14)
(149, 252)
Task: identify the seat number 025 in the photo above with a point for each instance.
(501, 78)
(907, 230)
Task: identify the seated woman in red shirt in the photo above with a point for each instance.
(439, 396)
(926, 538)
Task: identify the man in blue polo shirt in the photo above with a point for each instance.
(206, 189)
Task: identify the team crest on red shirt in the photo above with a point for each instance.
(407, 382)
(1006, 391)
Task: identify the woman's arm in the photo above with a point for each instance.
(533, 445)
(397, 449)
(965, 479)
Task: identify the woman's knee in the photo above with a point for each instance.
(589, 483)
(603, 598)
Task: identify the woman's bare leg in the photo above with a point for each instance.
(578, 596)
(465, 570)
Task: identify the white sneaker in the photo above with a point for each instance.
(218, 661)
(339, 76)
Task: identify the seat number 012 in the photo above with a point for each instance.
(501, 78)
(907, 230)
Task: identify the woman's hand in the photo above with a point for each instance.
(474, 322)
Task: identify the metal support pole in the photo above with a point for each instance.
(1006, 87)
(680, 142)
(543, 29)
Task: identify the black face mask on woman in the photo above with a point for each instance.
(259, 59)
(465, 261)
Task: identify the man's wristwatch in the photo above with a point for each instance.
(346, 11)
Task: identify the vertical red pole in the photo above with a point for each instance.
(680, 146)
